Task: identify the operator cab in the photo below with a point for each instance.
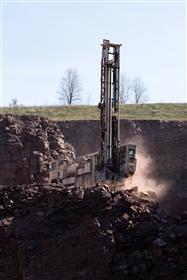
(127, 155)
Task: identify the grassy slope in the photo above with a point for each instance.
(162, 111)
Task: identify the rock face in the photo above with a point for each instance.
(163, 142)
(54, 233)
(27, 145)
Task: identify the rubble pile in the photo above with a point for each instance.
(53, 233)
(27, 144)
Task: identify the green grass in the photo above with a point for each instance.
(159, 111)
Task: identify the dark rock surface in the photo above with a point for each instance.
(54, 233)
(27, 144)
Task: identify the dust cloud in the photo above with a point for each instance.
(144, 177)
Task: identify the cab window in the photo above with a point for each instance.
(131, 153)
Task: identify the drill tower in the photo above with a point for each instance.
(109, 106)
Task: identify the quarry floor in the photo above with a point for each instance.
(53, 233)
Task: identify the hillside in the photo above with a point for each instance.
(159, 111)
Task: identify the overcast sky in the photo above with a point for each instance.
(41, 40)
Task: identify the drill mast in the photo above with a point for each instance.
(109, 106)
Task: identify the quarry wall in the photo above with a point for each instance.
(161, 149)
(27, 145)
(52, 232)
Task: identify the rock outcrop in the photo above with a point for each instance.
(27, 145)
(53, 233)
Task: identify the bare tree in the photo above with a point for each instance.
(138, 91)
(13, 103)
(125, 89)
(70, 87)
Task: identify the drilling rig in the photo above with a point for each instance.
(117, 160)
(113, 161)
